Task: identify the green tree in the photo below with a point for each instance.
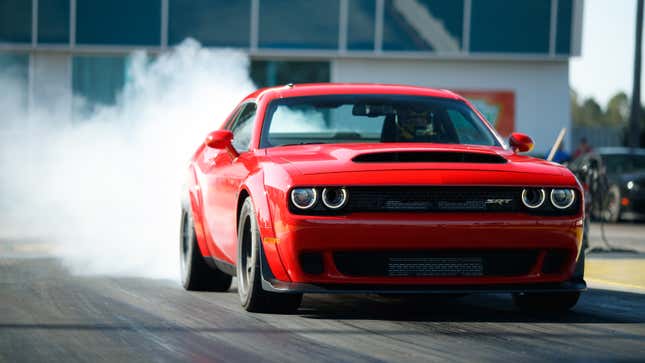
(591, 112)
(576, 110)
(617, 112)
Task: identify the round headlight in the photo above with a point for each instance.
(304, 198)
(334, 198)
(562, 198)
(533, 198)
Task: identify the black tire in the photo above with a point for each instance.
(557, 302)
(196, 275)
(249, 285)
(611, 212)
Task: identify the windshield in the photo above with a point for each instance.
(372, 118)
(623, 163)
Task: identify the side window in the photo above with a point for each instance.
(242, 128)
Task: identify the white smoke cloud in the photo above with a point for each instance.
(287, 120)
(106, 187)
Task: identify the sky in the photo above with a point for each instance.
(607, 61)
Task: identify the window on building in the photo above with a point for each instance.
(97, 80)
(501, 26)
(360, 24)
(311, 24)
(14, 77)
(53, 21)
(118, 22)
(216, 23)
(15, 21)
(423, 25)
(563, 38)
(273, 73)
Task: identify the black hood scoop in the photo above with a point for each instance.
(429, 157)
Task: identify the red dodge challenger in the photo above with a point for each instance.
(363, 188)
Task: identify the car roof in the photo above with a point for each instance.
(617, 150)
(316, 89)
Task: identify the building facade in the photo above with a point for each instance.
(510, 57)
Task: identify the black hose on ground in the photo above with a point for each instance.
(599, 193)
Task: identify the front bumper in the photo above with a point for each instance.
(431, 233)
(270, 283)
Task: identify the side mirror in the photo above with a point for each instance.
(221, 139)
(520, 142)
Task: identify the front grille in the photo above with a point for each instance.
(477, 199)
(433, 199)
(436, 264)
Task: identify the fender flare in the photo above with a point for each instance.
(254, 187)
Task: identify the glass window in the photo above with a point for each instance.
(242, 128)
(502, 26)
(274, 73)
(97, 80)
(14, 75)
(14, 66)
(360, 24)
(468, 128)
(118, 22)
(15, 21)
(311, 24)
(372, 118)
(423, 25)
(563, 36)
(53, 21)
(212, 22)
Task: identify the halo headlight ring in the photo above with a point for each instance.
(339, 197)
(533, 204)
(571, 198)
(304, 204)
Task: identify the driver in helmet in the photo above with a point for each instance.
(415, 124)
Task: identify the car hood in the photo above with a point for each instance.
(349, 158)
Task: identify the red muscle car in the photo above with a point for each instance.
(388, 189)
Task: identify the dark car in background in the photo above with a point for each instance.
(621, 176)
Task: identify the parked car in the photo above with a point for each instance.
(623, 193)
(359, 188)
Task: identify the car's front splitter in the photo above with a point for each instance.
(270, 283)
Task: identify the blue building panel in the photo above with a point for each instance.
(53, 21)
(15, 21)
(502, 26)
(565, 21)
(214, 23)
(423, 25)
(118, 22)
(311, 24)
(361, 20)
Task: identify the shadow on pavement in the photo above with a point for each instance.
(595, 306)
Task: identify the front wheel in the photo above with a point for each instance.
(249, 285)
(546, 302)
(196, 275)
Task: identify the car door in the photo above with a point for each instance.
(224, 180)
